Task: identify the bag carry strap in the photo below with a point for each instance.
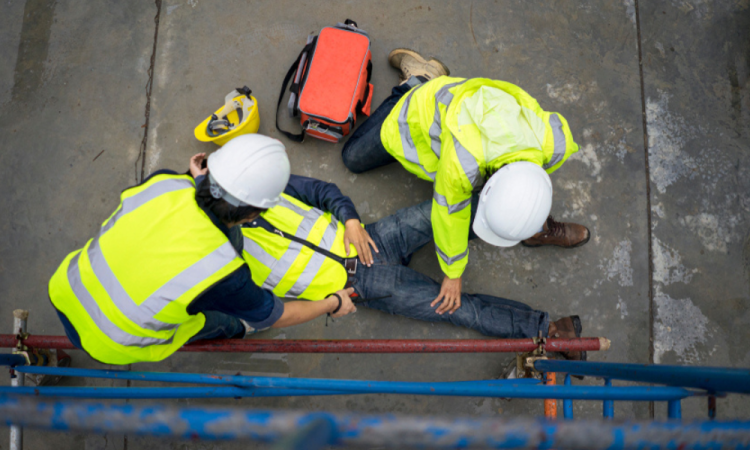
(292, 70)
(260, 222)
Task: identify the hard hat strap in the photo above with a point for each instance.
(219, 124)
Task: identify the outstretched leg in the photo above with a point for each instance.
(412, 292)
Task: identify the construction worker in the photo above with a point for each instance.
(313, 243)
(459, 133)
(162, 270)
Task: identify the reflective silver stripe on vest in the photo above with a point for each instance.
(410, 150)
(117, 293)
(442, 201)
(259, 253)
(560, 144)
(449, 260)
(189, 278)
(155, 190)
(143, 314)
(444, 96)
(289, 205)
(468, 163)
(287, 259)
(315, 263)
(100, 319)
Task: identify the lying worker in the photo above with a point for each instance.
(162, 270)
(312, 243)
(458, 133)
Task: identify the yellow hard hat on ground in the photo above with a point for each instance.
(238, 116)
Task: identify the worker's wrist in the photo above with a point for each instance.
(334, 303)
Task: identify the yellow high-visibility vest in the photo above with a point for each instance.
(126, 292)
(444, 131)
(289, 268)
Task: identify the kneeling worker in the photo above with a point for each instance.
(162, 270)
(462, 134)
(312, 243)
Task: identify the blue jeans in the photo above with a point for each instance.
(220, 326)
(398, 237)
(364, 150)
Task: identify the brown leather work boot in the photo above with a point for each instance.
(561, 234)
(568, 328)
(412, 64)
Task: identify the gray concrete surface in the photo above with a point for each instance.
(72, 111)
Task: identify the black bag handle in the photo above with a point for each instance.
(295, 137)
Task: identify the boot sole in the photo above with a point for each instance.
(580, 244)
(395, 56)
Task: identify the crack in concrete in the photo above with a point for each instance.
(648, 199)
(139, 174)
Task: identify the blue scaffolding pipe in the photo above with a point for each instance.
(712, 379)
(608, 406)
(371, 430)
(7, 359)
(221, 380)
(674, 409)
(158, 392)
(567, 403)
(272, 387)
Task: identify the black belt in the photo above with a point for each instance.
(350, 264)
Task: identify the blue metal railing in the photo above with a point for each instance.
(387, 430)
(328, 429)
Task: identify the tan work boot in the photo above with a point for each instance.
(561, 234)
(568, 328)
(412, 64)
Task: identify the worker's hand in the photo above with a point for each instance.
(450, 294)
(347, 306)
(195, 165)
(356, 235)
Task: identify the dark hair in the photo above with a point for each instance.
(219, 207)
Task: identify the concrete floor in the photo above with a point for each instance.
(661, 178)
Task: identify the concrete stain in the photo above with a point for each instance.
(580, 198)
(630, 10)
(714, 232)
(587, 155)
(38, 16)
(667, 135)
(619, 265)
(668, 267)
(622, 307)
(680, 327)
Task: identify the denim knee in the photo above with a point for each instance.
(352, 163)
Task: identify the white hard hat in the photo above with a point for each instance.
(514, 204)
(251, 169)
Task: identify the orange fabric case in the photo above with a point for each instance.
(334, 83)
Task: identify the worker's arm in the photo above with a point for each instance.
(237, 295)
(451, 221)
(297, 312)
(328, 197)
(322, 195)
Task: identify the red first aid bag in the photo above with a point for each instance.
(331, 83)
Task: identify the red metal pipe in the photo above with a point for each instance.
(351, 346)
